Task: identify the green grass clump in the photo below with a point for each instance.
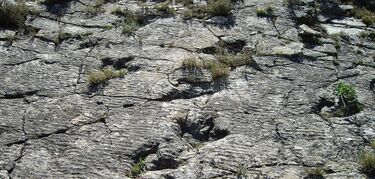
(348, 101)
(367, 16)
(219, 7)
(138, 168)
(164, 8)
(265, 12)
(129, 26)
(100, 77)
(13, 16)
(367, 161)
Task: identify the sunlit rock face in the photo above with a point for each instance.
(181, 89)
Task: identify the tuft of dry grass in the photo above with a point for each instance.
(101, 76)
(217, 69)
(219, 7)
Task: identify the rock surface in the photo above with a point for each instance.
(264, 120)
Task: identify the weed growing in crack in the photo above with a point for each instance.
(348, 102)
(138, 168)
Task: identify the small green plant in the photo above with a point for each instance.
(265, 12)
(13, 15)
(129, 26)
(348, 102)
(219, 7)
(367, 161)
(138, 168)
(99, 77)
(164, 8)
